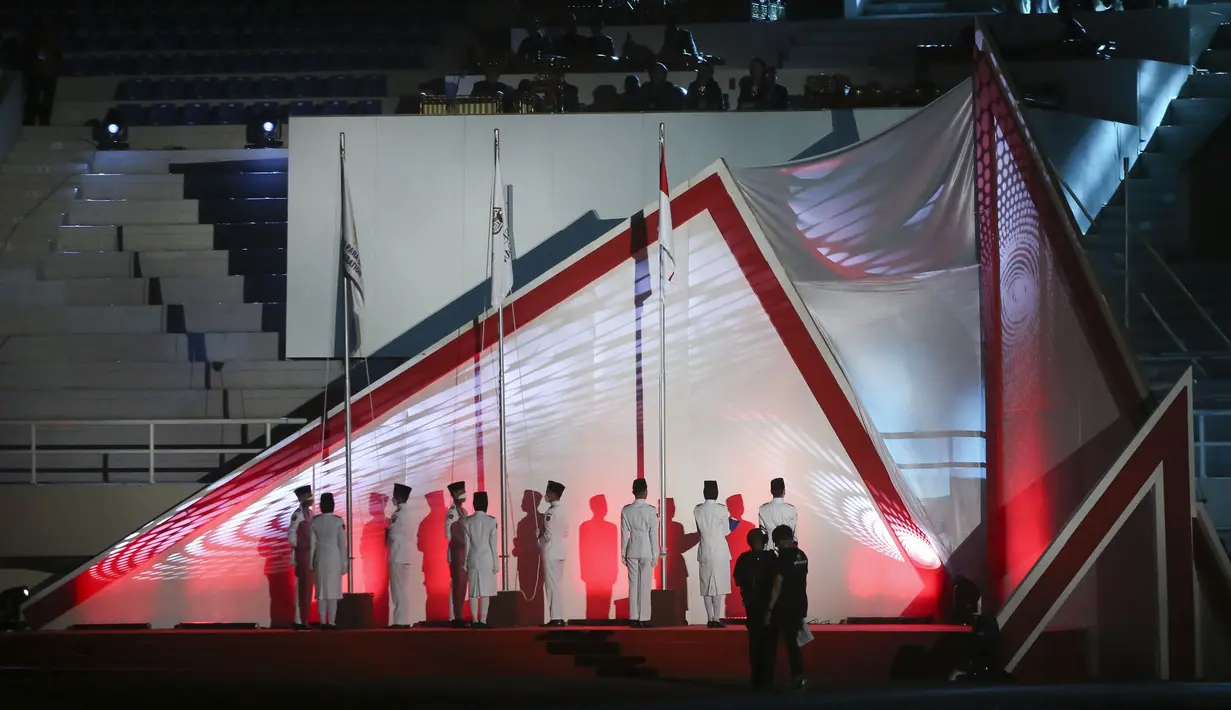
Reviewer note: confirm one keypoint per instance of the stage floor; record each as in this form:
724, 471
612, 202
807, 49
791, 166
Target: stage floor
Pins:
840, 653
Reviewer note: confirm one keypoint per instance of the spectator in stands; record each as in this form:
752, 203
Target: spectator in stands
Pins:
535, 45
752, 87
601, 44
633, 98
704, 94
606, 99
491, 85
43, 56
570, 44
636, 57
525, 95
660, 94
775, 97
679, 48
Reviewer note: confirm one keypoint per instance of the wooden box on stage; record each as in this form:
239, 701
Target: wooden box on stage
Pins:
668, 607
511, 609
357, 611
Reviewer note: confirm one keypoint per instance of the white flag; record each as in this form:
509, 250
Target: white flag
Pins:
666, 243
502, 248
352, 268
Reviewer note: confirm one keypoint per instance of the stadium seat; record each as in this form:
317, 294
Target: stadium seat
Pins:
249, 63
278, 62
260, 107
197, 114
237, 87
301, 108
206, 88
164, 115
231, 113
334, 108
373, 85
134, 90
368, 107
342, 85
307, 87
274, 87
170, 89
134, 114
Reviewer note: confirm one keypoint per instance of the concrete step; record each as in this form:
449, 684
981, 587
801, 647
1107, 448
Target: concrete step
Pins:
193, 264
88, 265
132, 187
80, 320
148, 404
158, 162
145, 238
1180, 141
126, 212
193, 290
238, 375
1210, 85
1215, 60
224, 317
49, 168
211, 347
1158, 165
1198, 112
50, 134
29, 152
76, 292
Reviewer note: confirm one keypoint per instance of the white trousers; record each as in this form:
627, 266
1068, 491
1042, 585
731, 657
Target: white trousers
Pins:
713, 607
478, 608
329, 611
640, 579
399, 594
554, 579
457, 592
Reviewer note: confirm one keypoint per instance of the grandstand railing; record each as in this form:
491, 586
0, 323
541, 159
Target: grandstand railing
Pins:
150, 449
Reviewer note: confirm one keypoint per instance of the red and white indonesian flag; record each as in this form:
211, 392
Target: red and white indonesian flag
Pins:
666, 243
501, 247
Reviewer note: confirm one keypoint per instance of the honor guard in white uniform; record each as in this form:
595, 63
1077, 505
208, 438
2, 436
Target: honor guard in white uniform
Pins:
777, 511
713, 554
301, 555
455, 533
481, 560
398, 538
553, 539
640, 549
328, 561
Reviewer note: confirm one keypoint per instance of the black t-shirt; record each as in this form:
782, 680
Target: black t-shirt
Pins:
752, 577
792, 566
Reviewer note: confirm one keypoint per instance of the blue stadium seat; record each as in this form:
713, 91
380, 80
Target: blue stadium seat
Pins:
278, 62
249, 63
373, 85
120, 65
368, 107
237, 87
274, 87
231, 113
317, 61
164, 115
186, 64
301, 108
334, 108
134, 114
261, 107
134, 90
307, 87
342, 86
206, 87
197, 114
170, 89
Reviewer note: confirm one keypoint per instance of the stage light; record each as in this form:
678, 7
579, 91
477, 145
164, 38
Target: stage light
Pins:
11, 601
265, 129
112, 132
984, 663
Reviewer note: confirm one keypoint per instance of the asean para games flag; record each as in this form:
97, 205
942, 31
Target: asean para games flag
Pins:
352, 267
666, 242
501, 247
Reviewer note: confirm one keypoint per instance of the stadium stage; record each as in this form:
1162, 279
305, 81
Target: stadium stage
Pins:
841, 654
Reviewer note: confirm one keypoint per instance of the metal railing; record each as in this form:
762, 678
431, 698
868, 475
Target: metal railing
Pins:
151, 449
1201, 442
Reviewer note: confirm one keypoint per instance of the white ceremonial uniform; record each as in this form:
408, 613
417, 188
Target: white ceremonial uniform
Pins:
777, 512
639, 547
713, 555
300, 534
552, 541
481, 554
329, 562
398, 539
455, 533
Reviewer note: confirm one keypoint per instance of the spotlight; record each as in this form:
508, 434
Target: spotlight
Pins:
112, 132
265, 129
983, 662
11, 601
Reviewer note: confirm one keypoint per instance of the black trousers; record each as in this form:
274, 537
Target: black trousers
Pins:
763, 643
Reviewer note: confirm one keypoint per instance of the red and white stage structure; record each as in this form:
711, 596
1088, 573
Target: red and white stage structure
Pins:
905, 330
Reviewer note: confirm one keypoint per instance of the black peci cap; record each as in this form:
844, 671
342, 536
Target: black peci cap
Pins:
640, 486
553, 487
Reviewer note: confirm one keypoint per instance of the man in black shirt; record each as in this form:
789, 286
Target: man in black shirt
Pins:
752, 570
787, 608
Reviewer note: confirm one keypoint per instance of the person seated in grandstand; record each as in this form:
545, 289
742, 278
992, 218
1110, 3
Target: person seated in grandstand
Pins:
775, 97
679, 48
525, 96
606, 99
535, 45
635, 57
491, 85
601, 44
633, 99
660, 94
570, 44
752, 87
704, 94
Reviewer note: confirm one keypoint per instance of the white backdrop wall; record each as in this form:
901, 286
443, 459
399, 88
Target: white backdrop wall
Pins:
421, 190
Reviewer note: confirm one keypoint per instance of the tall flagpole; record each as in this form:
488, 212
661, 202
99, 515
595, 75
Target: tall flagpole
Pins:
662, 378
346, 291
504, 498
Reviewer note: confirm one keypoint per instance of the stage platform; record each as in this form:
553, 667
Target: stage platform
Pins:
840, 653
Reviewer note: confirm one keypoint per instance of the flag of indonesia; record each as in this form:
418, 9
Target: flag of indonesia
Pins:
666, 244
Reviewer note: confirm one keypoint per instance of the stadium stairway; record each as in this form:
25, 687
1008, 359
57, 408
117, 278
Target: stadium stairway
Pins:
142, 285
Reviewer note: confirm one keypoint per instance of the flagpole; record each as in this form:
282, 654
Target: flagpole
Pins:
346, 323
504, 498
662, 382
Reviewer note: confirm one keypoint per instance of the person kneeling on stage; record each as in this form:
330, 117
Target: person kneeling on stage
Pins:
787, 608
751, 573
481, 560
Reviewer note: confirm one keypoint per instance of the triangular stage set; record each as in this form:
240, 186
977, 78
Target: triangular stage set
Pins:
906, 331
